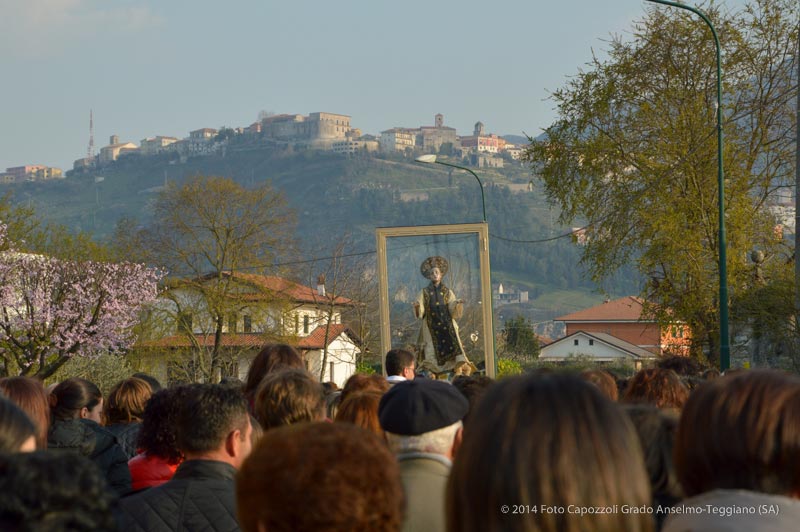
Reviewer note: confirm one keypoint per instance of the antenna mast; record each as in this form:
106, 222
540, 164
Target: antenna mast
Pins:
90, 150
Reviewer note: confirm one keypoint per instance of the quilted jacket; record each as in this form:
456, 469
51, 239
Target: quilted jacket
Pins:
200, 497
100, 446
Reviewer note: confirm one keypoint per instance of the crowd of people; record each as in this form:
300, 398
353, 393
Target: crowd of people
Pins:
673, 448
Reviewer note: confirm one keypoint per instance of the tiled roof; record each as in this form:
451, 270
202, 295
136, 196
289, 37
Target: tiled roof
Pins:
623, 309
283, 287
207, 340
316, 340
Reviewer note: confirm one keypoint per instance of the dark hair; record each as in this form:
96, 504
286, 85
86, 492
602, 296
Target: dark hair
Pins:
29, 394
361, 409
327, 463
287, 397
656, 429
362, 383
127, 401
659, 387
157, 435
590, 458
149, 379
473, 387
604, 381
684, 366
15, 427
741, 432
207, 415
70, 396
56, 492
330, 387
272, 358
397, 360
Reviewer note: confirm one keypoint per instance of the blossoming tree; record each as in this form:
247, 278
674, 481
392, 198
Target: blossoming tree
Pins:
52, 310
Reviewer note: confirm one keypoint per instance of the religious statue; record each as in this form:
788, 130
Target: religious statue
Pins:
438, 308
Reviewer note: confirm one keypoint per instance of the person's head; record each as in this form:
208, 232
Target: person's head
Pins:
684, 366
127, 401
550, 440
155, 386
423, 416
332, 402
741, 433
213, 423
30, 396
364, 383
272, 358
361, 409
57, 492
158, 432
326, 463
400, 362
604, 381
434, 268
659, 387
473, 387
17, 431
76, 398
287, 397
656, 429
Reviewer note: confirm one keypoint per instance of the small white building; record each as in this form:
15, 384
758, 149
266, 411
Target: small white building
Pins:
601, 347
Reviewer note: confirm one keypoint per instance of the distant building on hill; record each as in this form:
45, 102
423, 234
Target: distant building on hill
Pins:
155, 145
398, 139
319, 129
30, 172
114, 150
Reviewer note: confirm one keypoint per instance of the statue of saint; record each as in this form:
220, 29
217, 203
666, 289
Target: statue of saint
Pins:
438, 308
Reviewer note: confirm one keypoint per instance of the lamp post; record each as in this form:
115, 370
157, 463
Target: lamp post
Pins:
724, 336
431, 159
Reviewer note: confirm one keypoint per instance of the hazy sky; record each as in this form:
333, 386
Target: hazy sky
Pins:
165, 67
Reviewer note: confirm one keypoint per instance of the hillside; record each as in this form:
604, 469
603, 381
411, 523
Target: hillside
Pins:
335, 194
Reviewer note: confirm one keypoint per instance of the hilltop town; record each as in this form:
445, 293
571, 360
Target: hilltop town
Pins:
317, 131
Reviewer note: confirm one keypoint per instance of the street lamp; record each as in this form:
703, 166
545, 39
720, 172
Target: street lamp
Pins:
431, 159
724, 336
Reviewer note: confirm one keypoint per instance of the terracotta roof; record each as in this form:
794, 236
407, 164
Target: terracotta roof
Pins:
316, 340
623, 309
207, 340
283, 287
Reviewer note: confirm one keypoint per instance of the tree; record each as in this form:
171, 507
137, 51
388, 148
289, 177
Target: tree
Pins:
202, 230
521, 342
52, 310
632, 154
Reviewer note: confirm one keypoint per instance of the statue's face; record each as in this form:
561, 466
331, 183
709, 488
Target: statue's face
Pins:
435, 275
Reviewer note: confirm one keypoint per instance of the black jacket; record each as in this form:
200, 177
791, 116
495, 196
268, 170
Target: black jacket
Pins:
200, 497
100, 446
126, 435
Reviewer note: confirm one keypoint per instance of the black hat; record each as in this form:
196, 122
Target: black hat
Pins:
415, 407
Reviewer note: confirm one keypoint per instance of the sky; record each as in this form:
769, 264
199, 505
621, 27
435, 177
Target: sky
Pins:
165, 67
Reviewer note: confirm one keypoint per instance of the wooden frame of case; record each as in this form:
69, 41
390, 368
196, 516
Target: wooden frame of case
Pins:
480, 231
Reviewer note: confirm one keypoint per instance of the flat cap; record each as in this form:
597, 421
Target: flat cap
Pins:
415, 407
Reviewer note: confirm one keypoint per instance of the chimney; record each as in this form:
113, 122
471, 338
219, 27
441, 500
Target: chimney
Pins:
321, 285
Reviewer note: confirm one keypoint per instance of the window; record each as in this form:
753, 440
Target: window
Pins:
248, 324
296, 323
591, 342
305, 324
233, 323
575, 341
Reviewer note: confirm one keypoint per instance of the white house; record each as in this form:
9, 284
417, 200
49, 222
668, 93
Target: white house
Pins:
262, 309
601, 347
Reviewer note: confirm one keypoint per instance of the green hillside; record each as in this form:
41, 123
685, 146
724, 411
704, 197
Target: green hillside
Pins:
335, 194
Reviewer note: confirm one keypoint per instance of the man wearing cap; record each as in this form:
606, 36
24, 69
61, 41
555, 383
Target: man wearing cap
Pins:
422, 421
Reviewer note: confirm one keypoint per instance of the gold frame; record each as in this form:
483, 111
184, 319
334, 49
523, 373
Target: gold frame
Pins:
481, 231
